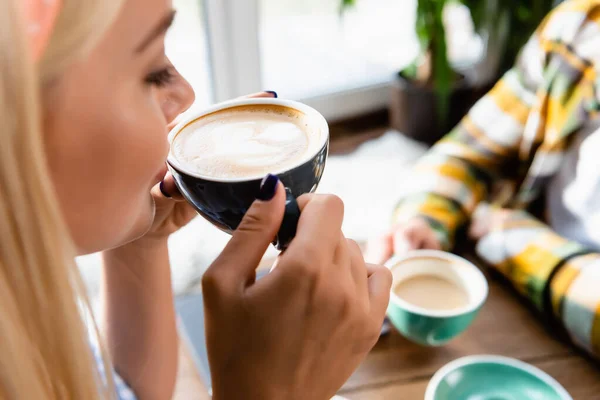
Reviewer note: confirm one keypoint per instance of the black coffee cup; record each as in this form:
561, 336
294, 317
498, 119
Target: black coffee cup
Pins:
224, 201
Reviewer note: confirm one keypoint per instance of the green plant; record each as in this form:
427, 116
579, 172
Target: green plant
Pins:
491, 18
432, 39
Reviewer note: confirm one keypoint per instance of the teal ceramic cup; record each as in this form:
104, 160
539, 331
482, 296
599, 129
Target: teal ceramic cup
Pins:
489, 377
435, 327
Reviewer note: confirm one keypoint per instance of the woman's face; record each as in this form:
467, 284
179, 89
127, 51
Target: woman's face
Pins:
105, 128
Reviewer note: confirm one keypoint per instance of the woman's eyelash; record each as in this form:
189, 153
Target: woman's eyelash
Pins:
160, 77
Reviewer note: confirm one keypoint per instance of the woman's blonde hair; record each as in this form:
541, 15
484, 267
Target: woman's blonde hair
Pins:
44, 347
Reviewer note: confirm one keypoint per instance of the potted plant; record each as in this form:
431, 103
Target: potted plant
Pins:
430, 96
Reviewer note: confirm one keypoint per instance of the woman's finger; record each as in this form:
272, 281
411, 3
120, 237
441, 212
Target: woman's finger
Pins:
169, 189
266, 93
235, 267
319, 228
343, 256
380, 284
359, 271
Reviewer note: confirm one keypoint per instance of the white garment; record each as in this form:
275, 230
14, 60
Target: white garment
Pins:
573, 195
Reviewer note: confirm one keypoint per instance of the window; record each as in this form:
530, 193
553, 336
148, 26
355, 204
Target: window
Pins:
187, 48
304, 49
309, 49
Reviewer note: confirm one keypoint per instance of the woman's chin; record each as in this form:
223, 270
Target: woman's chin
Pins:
146, 220
129, 228
142, 225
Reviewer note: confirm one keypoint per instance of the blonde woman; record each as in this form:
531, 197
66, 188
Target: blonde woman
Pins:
86, 94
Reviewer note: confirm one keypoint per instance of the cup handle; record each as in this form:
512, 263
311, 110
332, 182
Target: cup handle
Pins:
287, 231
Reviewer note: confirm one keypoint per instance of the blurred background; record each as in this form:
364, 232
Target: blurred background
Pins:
312, 50
391, 77
342, 56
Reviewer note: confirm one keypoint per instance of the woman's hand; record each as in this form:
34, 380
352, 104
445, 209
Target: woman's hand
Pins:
301, 331
172, 211
412, 235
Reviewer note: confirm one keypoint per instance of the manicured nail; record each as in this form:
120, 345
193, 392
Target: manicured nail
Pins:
162, 190
268, 187
274, 93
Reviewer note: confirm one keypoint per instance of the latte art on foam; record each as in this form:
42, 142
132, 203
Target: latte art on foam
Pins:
243, 142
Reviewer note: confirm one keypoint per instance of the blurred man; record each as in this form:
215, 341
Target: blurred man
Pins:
535, 136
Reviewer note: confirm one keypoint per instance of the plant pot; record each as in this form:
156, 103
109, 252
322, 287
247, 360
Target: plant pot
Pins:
413, 108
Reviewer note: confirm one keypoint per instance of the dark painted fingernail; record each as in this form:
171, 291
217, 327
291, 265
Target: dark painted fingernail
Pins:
274, 93
268, 187
162, 190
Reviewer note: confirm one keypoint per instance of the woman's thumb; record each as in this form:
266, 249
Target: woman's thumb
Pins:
255, 233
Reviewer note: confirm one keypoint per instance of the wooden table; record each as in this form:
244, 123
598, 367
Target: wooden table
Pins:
398, 369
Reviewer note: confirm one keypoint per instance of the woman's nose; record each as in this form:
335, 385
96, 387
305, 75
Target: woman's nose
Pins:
178, 96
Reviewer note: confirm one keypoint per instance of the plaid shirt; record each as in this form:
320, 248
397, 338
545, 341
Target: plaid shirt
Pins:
506, 150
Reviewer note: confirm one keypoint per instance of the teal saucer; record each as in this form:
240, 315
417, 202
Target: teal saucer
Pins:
493, 378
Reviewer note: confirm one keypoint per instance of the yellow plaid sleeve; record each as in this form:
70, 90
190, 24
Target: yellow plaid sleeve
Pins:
559, 277
456, 174
575, 301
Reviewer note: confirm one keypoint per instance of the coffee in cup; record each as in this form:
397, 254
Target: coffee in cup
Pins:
219, 157
431, 292
435, 295
246, 142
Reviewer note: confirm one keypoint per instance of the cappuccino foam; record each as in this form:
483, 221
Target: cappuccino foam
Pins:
245, 142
